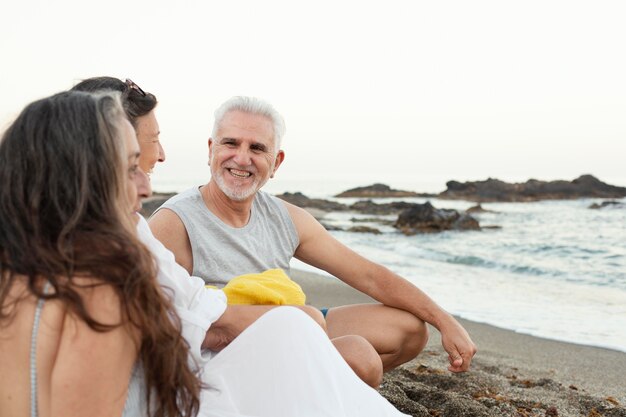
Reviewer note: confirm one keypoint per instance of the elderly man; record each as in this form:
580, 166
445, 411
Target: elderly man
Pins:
229, 227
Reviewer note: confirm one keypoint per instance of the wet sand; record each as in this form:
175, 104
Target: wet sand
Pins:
511, 375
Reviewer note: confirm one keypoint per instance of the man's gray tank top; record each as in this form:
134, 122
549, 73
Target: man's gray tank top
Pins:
221, 252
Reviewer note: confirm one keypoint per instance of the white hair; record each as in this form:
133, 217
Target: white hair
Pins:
251, 105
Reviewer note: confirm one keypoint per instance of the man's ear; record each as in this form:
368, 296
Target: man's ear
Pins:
280, 157
210, 143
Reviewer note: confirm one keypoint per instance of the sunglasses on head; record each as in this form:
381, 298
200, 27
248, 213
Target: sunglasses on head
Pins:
132, 86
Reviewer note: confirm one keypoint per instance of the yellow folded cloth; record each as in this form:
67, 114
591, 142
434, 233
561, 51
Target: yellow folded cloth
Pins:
271, 287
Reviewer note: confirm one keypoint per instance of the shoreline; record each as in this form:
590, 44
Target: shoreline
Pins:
576, 378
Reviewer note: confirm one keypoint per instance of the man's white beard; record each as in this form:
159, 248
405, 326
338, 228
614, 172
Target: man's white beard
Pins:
237, 193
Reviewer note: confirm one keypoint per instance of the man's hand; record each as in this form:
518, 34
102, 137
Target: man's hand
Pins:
458, 344
218, 337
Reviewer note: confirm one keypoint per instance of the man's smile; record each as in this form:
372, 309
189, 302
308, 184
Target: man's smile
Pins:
238, 173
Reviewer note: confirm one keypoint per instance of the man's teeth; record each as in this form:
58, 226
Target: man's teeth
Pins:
239, 174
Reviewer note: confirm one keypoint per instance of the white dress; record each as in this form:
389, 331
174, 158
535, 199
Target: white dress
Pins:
283, 365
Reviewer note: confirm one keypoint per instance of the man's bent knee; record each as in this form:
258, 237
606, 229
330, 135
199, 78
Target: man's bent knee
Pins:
413, 340
397, 335
361, 357
315, 314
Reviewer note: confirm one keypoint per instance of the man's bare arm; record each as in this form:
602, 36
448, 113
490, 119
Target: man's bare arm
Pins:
170, 230
320, 249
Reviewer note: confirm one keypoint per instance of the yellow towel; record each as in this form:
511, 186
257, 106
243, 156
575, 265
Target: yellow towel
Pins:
271, 287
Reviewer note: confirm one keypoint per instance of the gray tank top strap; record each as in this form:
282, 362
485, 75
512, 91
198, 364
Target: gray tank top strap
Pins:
135, 404
34, 412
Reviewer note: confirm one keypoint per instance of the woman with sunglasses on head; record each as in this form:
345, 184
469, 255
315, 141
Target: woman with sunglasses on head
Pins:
85, 329
139, 107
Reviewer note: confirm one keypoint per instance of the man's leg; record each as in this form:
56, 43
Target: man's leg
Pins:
355, 350
362, 358
397, 336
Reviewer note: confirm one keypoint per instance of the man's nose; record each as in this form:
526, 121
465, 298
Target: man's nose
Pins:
242, 156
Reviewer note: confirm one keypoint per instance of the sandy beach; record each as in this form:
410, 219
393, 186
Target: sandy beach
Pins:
511, 375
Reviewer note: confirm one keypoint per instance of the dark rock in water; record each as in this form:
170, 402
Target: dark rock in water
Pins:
465, 222
300, 200
424, 218
477, 209
364, 229
377, 191
149, 205
491, 226
606, 204
369, 207
532, 190
330, 227
373, 220
363, 206
413, 218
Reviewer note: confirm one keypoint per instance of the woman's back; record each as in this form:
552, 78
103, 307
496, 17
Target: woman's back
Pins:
67, 201
77, 368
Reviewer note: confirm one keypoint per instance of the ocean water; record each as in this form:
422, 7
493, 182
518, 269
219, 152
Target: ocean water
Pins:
554, 269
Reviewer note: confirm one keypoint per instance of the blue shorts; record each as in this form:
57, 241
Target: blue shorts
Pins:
324, 311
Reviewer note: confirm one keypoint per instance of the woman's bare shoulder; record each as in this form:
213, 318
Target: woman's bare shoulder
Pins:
93, 366
82, 365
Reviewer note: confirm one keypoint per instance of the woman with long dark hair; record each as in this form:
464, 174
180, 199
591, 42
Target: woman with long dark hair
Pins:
84, 327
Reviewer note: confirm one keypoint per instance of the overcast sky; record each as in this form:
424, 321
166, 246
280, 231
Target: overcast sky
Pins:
407, 89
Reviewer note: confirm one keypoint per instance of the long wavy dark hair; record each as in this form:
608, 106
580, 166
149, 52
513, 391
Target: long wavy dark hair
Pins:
64, 214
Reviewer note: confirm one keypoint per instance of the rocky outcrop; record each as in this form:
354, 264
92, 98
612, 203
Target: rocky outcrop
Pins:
604, 204
412, 218
424, 218
477, 209
378, 220
331, 227
378, 191
300, 200
364, 229
493, 190
363, 206
369, 207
